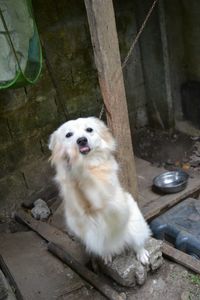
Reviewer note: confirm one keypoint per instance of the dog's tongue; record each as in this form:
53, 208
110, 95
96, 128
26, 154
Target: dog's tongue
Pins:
84, 149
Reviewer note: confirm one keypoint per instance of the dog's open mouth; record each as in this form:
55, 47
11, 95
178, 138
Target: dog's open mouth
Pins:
84, 149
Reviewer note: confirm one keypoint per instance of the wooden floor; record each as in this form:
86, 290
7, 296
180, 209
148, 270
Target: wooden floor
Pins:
152, 203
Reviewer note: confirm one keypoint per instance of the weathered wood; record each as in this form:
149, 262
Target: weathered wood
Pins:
10, 278
154, 208
52, 234
181, 258
85, 273
152, 203
166, 62
38, 274
107, 57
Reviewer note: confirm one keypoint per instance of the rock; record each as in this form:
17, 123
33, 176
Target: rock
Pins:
155, 253
127, 271
185, 295
40, 211
158, 285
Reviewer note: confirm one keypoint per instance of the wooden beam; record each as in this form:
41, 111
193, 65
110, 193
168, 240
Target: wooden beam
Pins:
54, 235
181, 258
104, 37
84, 272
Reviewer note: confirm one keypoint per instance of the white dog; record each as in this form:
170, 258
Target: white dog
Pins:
97, 209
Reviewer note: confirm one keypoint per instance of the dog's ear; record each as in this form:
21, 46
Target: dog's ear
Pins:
106, 135
52, 141
58, 151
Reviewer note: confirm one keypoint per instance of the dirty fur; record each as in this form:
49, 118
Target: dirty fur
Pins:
97, 209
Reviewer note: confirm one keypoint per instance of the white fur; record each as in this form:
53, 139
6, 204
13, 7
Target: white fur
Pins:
97, 209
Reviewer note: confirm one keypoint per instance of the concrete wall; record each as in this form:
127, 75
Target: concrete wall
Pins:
68, 88
166, 55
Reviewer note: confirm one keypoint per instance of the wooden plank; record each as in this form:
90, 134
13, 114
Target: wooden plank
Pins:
145, 174
154, 208
37, 273
10, 278
181, 258
85, 273
152, 203
52, 234
107, 57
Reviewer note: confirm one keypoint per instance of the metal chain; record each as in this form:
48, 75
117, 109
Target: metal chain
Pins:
116, 75
138, 34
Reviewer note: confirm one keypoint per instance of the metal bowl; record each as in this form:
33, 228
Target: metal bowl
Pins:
171, 182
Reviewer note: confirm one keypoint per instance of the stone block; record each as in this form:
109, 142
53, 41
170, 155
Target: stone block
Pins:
154, 248
10, 100
32, 118
127, 271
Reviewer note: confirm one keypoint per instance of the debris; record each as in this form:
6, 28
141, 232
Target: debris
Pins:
126, 270
195, 138
185, 166
40, 211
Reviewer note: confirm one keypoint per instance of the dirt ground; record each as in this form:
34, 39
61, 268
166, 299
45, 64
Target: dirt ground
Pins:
170, 282
165, 150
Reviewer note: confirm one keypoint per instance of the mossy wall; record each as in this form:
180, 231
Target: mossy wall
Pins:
68, 87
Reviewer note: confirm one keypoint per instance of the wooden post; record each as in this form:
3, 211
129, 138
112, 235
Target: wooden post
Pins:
104, 37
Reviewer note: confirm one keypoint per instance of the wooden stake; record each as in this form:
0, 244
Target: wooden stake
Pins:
107, 57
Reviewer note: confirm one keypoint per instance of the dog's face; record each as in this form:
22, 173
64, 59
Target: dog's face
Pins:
84, 135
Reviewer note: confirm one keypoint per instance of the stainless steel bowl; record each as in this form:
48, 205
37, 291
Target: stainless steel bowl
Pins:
171, 182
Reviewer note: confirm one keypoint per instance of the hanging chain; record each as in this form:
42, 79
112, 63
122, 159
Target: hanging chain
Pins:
116, 75
138, 34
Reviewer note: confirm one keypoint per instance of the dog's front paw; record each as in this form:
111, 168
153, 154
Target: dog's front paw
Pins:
73, 155
143, 256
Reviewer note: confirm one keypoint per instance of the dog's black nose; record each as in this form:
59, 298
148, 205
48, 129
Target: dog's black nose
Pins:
82, 141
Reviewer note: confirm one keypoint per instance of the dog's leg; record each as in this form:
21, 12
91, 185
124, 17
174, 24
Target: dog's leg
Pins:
143, 256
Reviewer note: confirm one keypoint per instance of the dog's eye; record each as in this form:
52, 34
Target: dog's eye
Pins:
89, 129
69, 134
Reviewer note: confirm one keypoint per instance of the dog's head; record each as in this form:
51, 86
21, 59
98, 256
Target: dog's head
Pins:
84, 135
